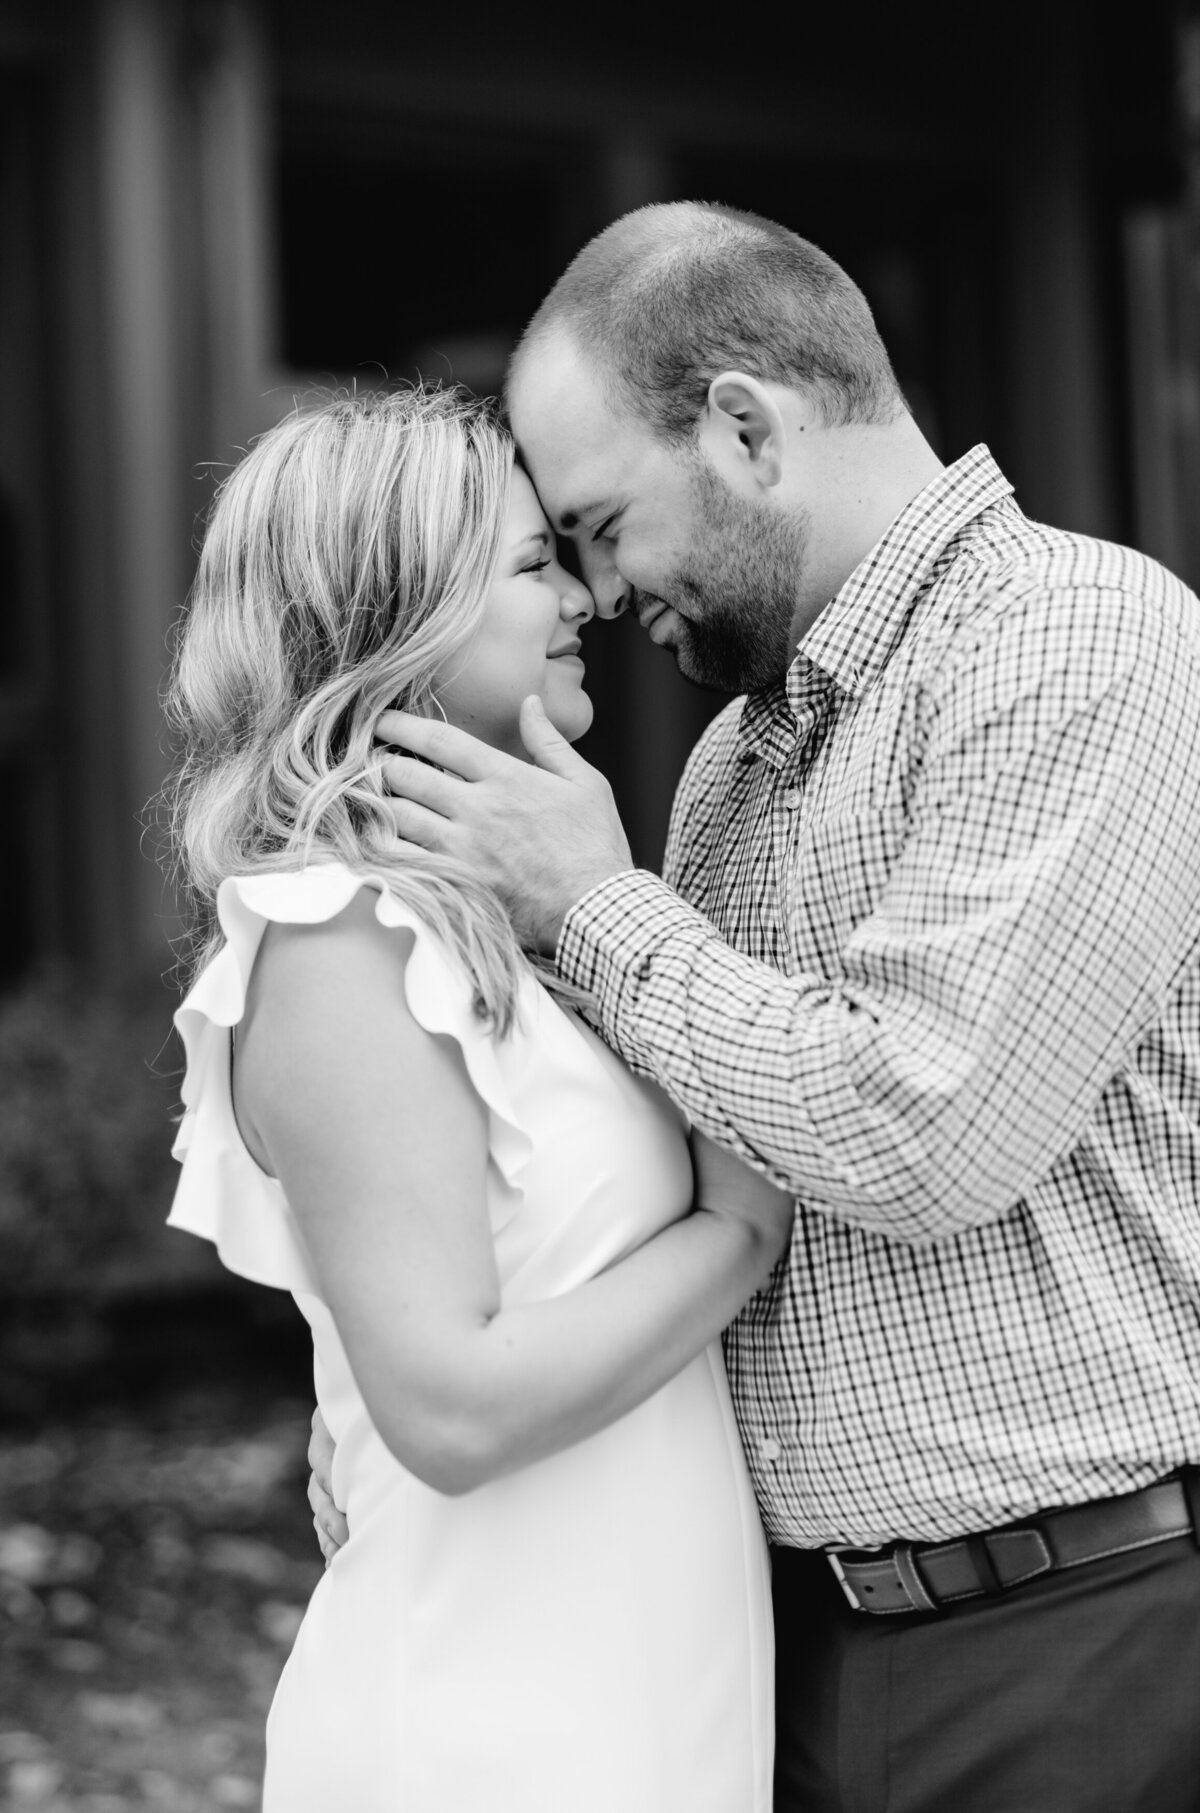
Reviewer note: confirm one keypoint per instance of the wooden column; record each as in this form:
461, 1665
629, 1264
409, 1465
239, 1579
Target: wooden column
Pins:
1063, 411
168, 314
1162, 268
125, 570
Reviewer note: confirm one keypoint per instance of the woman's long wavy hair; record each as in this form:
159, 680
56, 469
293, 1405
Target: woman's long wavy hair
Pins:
347, 558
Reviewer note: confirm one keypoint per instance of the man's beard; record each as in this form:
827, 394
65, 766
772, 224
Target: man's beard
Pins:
736, 596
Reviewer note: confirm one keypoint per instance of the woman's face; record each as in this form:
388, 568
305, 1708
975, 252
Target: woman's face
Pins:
527, 641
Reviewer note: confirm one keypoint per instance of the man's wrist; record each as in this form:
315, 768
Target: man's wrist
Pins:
616, 921
548, 928
594, 898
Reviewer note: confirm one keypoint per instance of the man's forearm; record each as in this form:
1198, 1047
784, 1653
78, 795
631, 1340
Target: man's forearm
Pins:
909, 1116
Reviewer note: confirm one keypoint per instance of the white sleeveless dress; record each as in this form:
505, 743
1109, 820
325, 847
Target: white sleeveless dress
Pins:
591, 1634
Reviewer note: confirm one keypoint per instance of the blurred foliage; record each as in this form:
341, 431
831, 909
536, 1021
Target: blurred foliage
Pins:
154, 1565
89, 1087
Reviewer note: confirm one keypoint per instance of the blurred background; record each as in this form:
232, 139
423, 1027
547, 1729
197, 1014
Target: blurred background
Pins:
208, 207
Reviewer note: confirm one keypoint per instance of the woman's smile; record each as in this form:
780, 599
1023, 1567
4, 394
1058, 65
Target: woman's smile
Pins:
526, 641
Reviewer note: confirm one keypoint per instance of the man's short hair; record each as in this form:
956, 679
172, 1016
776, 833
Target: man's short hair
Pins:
667, 297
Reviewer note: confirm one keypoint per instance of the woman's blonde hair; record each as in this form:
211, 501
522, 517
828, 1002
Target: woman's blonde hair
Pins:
347, 558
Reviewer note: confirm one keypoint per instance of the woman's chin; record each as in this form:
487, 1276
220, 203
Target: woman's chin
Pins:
572, 721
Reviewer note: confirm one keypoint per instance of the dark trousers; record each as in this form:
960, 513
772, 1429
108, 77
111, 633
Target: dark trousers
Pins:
1076, 1693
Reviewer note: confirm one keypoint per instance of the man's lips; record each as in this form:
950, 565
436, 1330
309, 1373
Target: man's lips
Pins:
658, 620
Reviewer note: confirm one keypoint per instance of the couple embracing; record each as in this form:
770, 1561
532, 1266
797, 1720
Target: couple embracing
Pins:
894, 1077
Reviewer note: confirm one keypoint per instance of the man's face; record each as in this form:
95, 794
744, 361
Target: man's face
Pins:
711, 575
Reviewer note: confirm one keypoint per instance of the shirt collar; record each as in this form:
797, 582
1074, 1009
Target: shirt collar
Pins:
852, 640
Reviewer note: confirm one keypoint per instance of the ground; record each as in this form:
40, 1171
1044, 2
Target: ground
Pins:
155, 1560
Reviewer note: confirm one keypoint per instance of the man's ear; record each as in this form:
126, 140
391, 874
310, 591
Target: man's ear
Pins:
742, 429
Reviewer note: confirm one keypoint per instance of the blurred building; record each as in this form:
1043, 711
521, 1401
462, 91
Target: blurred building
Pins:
209, 205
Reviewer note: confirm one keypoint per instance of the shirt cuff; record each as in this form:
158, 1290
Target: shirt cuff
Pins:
609, 936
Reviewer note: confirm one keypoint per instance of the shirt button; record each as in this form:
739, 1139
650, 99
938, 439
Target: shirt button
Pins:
791, 799
769, 1448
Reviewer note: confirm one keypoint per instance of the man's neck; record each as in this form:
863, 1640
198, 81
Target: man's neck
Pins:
869, 475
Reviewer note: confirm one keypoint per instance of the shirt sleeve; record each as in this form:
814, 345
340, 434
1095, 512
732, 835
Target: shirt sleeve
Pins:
1042, 904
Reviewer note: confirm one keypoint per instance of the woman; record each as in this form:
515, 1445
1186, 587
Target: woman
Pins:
554, 1598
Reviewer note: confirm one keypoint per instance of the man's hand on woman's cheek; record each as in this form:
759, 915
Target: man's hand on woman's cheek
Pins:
541, 833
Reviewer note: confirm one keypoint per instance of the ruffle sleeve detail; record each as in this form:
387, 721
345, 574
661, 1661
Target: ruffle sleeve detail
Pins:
223, 1195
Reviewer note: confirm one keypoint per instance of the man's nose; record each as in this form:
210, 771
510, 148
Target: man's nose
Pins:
612, 600
603, 581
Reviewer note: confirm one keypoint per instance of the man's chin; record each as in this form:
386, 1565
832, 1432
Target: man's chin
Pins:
716, 662
700, 667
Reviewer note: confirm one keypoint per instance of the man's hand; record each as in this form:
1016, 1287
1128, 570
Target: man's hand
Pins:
541, 833
329, 1523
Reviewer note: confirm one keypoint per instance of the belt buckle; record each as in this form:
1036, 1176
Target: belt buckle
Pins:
839, 1575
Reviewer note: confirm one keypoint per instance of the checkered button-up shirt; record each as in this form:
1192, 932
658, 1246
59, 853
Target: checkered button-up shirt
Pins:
928, 953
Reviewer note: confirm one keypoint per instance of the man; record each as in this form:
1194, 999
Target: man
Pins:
926, 952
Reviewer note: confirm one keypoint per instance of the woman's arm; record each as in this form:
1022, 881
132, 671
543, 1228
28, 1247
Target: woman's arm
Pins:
380, 1143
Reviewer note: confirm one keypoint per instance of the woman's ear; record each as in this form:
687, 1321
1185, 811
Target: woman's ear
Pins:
742, 430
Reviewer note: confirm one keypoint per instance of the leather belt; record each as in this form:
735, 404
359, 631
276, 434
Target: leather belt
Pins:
923, 1577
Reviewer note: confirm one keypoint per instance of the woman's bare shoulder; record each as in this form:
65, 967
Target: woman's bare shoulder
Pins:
325, 1010
303, 964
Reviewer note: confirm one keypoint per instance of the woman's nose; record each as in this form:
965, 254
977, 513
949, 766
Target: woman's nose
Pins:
575, 602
